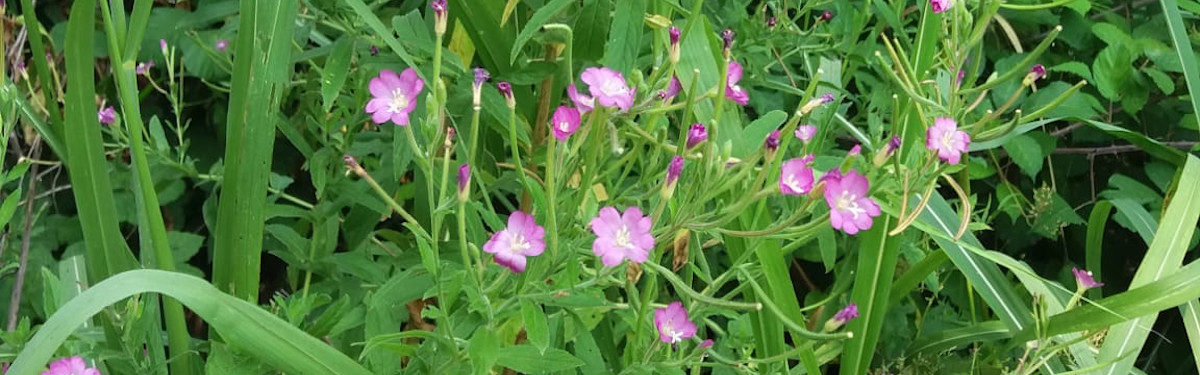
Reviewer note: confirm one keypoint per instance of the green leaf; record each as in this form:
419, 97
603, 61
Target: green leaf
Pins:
534, 24
1073, 67
1162, 80
1097, 221
1183, 49
1152, 147
941, 341
367, 16
337, 67
878, 255
245, 326
1113, 70
261, 73
531, 360
1166, 251
753, 135
536, 329
625, 36
484, 350
1111, 34
1026, 153
1139, 220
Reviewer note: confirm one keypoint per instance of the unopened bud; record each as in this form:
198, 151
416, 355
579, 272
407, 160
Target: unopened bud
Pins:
439, 16
506, 90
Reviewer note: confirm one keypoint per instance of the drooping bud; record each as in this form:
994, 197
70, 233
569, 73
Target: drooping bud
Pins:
697, 134
439, 16
464, 182
673, 50
771, 144
506, 90
825, 98
842, 317
481, 76
891, 147
1035, 73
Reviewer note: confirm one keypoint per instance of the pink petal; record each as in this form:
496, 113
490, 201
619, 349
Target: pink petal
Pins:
380, 117
376, 105
400, 118
734, 73
390, 79
379, 88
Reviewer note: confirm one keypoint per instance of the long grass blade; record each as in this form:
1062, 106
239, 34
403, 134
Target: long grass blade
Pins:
245, 326
1170, 244
1183, 48
261, 70
873, 282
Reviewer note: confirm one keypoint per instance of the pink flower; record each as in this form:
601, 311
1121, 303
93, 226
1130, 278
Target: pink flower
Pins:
1084, 279
795, 176
621, 236
674, 170
850, 208
394, 97
143, 67
481, 76
221, 45
107, 115
732, 90
940, 5
847, 313
673, 324
706, 344
522, 238
697, 134
855, 151
673, 89
439, 7
806, 132
608, 87
1038, 71
565, 121
945, 138
583, 102
70, 366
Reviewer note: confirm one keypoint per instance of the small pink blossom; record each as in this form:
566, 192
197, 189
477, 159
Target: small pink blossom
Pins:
806, 132
846, 313
522, 238
621, 236
70, 366
107, 115
733, 91
394, 96
506, 90
855, 151
1084, 279
706, 344
945, 138
565, 122
673, 324
795, 176
697, 134
1038, 71
143, 67
673, 88
608, 87
940, 5
221, 45
826, 15
583, 102
850, 208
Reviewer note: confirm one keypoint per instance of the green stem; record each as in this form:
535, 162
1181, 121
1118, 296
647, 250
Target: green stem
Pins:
682, 287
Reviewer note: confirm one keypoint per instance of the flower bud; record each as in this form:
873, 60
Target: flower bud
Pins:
771, 144
162, 45
439, 16
679, 247
464, 182
826, 15
1035, 73
697, 134
481, 76
891, 147
673, 50
771, 22
221, 45
727, 40
847, 314
673, 171
506, 90
374, 50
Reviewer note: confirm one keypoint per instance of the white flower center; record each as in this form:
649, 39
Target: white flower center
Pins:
676, 336
613, 88
793, 183
564, 127
849, 203
948, 140
399, 101
623, 238
517, 244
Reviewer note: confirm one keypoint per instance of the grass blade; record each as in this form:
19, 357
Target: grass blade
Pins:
106, 251
534, 24
873, 280
1162, 259
1183, 48
1097, 221
1191, 322
38, 48
245, 326
258, 84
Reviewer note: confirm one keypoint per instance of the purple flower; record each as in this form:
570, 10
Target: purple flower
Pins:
892, 145
732, 90
393, 96
464, 181
522, 238
945, 138
565, 121
795, 176
772, 142
1035, 73
826, 98
850, 208
608, 87
958, 79
438, 6
107, 115
583, 102
505, 89
70, 366
674, 169
621, 236
673, 89
1084, 279
674, 33
826, 15
806, 132
727, 39
673, 324
439, 16
221, 45
697, 134
374, 50
20, 65
847, 313
143, 67
941, 5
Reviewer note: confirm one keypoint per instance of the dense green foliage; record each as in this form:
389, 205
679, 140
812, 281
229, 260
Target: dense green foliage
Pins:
240, 204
